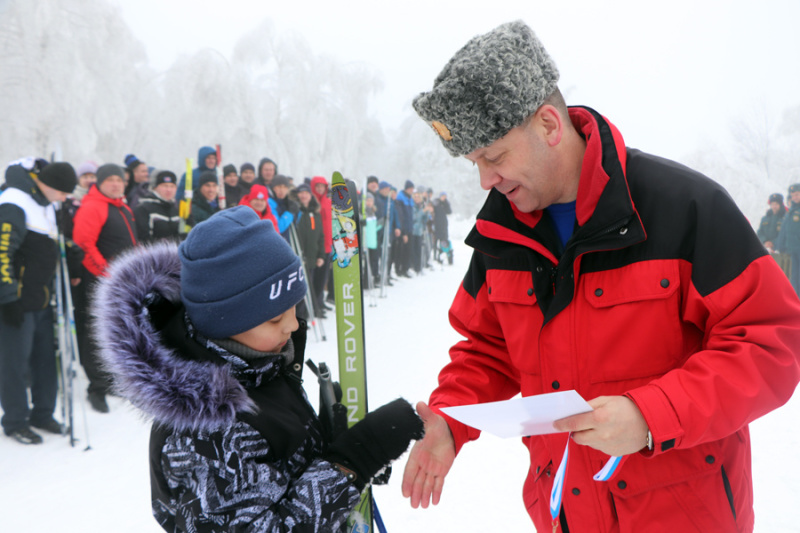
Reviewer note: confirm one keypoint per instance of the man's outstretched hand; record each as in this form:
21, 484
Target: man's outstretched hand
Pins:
429, 461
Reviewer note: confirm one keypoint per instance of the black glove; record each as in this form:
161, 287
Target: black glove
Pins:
377, 440
12, 313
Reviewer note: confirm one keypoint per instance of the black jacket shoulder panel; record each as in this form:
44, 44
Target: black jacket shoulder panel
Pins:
689, 216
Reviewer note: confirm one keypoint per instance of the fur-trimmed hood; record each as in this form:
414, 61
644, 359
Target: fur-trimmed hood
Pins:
174, 390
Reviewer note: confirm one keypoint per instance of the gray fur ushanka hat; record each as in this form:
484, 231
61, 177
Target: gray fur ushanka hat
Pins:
489, 87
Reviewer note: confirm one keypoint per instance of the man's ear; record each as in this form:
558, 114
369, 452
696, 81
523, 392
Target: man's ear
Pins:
550, 124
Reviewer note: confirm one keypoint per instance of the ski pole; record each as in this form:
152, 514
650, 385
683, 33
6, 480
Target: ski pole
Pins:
73, 345
377, 515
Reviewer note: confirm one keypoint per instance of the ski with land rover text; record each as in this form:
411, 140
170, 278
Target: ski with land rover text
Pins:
350, 326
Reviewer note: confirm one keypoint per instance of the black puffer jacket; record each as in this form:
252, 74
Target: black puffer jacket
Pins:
28, 250
235, 445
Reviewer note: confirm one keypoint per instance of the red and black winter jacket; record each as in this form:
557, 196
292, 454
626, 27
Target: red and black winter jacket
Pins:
665, 295
103, 229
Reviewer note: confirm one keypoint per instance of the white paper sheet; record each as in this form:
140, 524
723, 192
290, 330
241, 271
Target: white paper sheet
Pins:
521, 417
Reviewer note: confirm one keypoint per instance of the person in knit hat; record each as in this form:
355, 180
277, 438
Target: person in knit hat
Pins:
139, 183
404, 205
104, 228
630, 279
233, 189
258, 200
203, 338
157, 214
204, 199
87, 177
28, 262
247, 176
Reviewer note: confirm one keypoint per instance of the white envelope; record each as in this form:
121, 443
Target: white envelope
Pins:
521, 417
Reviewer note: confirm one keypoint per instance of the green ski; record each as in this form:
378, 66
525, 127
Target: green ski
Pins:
350, 326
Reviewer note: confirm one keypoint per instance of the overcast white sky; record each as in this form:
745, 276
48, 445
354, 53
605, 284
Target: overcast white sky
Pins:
671, 75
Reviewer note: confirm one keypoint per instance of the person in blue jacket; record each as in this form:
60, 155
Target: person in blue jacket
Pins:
206, 161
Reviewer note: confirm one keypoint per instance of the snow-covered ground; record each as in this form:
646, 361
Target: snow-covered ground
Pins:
54, 487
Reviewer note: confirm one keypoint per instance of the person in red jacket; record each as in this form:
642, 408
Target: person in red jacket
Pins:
104, 227
631, 279
258, 200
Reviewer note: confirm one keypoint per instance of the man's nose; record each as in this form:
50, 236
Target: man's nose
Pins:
489, 178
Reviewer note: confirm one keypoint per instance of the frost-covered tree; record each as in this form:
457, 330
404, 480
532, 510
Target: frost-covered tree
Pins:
759, 158
68, 71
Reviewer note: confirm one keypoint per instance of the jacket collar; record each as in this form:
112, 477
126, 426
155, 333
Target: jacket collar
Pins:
603, 204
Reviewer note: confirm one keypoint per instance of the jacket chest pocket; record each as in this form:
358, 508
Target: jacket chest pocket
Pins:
631, 326
514, 301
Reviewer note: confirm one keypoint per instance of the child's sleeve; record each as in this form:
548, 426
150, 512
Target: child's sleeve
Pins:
216, 482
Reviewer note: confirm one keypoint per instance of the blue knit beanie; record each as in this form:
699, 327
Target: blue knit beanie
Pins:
237, 272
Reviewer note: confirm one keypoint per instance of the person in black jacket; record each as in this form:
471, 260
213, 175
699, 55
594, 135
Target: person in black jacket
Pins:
157, 213
193, 341
234, 191
204, 198
308, 223
28, 260
441, 210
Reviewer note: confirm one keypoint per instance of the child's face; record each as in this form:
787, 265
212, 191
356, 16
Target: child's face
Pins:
272, 335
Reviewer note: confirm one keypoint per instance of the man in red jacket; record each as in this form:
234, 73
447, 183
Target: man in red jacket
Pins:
104, 228
631, 279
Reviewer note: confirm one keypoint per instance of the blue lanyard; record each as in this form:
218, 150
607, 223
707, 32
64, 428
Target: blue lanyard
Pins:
557, 493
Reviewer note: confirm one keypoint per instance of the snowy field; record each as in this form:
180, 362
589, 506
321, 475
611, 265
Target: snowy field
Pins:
54, 487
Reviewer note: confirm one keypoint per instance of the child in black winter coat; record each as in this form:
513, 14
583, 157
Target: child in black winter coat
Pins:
204, 339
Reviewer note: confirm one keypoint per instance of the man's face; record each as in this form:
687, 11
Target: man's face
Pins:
231, 179
372, 187
385, 191
52, 195
248, 175
270, 336
268, 172
209, 190
113, 187
211, 161
304, 197
522, 167
167, 191
320, 189
775, 206
141, 174
280, 191
796, 197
